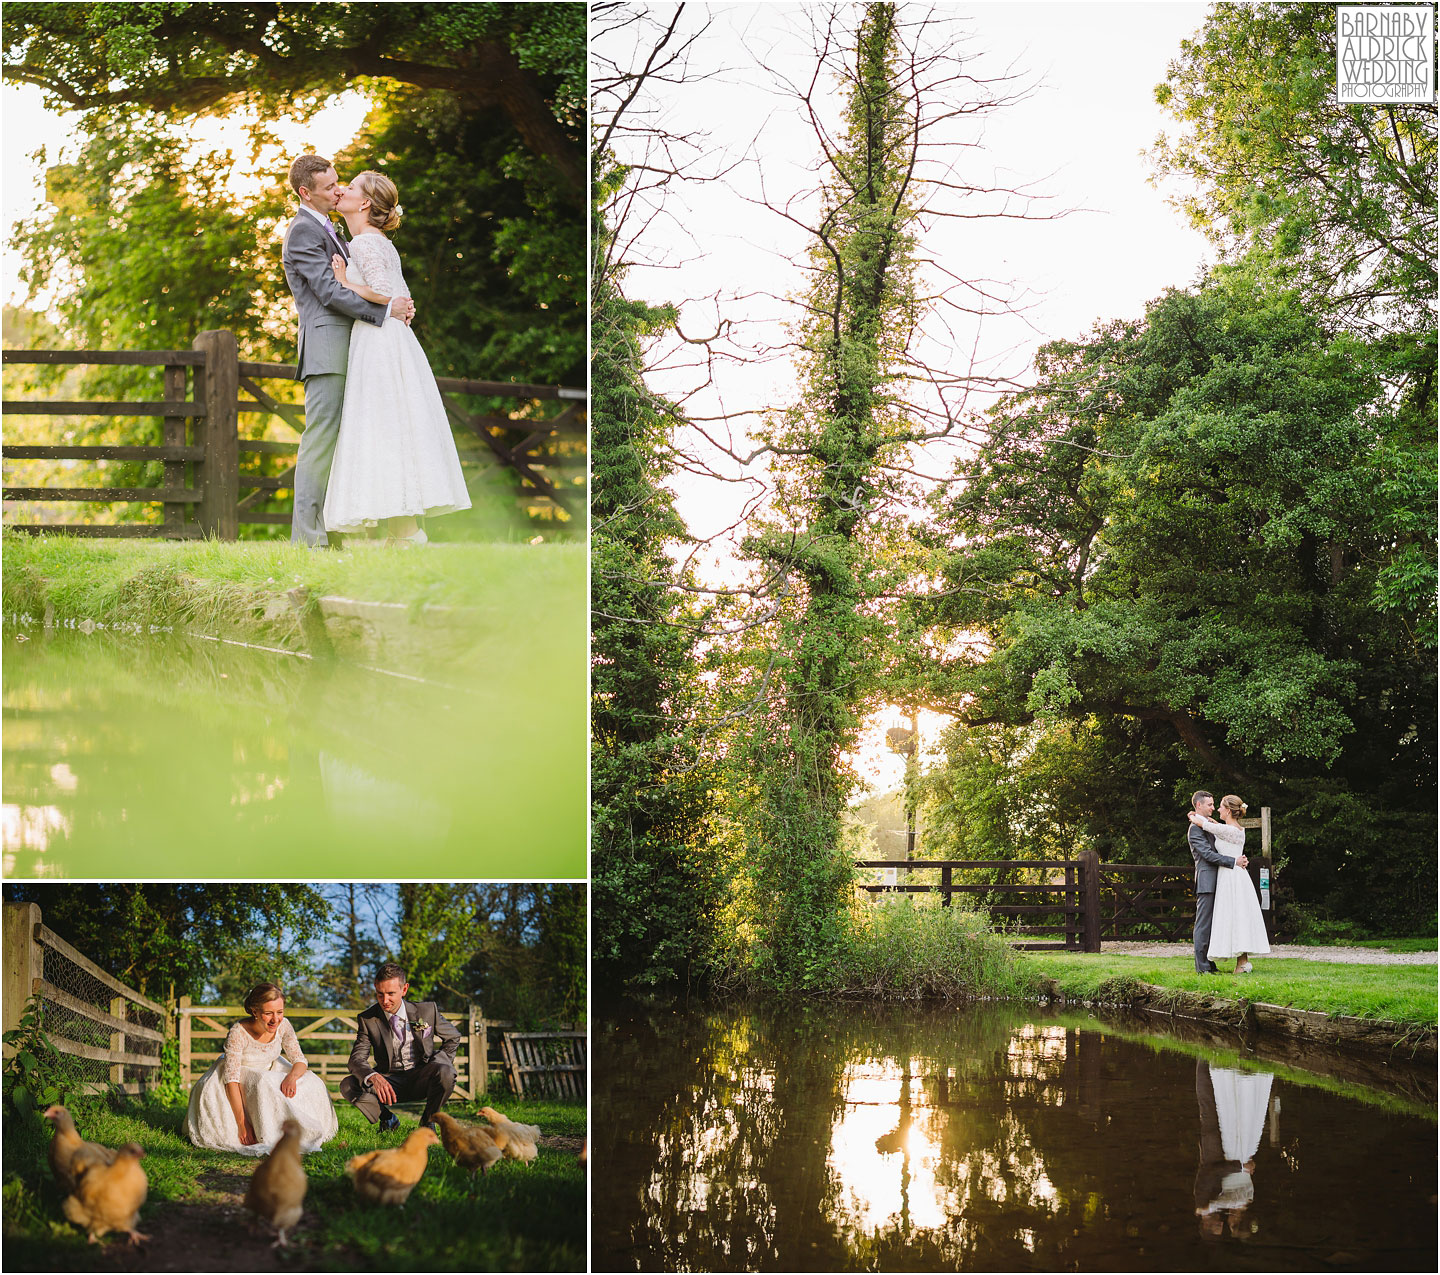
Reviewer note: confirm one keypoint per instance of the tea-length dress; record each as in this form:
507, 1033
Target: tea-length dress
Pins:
1238, 925
395, 455
259, 1069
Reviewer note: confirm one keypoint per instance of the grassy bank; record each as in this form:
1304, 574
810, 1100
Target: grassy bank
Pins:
1396, 993
519, 1218
213, 585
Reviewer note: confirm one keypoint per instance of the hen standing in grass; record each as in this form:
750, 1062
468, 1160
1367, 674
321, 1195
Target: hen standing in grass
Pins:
517, 1141
389, 1175
470, 1146
278, 1185
108, 1196
68, 1150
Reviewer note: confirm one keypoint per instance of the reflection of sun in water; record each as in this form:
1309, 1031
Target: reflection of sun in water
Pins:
884, 1178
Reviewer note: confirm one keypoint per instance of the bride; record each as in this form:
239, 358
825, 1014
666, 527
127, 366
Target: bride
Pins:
395, 460
261, 1080
1238, 929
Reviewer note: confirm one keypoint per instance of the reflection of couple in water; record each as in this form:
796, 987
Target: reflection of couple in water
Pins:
1233, 1106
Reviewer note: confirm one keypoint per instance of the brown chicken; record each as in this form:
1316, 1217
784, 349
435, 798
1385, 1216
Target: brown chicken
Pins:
68, 1150
108, 1196
517, 1141
278, 1185
389, 1175
470, 1146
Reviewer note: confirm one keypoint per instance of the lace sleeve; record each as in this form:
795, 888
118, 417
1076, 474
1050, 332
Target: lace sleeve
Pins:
377, 265
290, 1044
234, 1054
1232, 837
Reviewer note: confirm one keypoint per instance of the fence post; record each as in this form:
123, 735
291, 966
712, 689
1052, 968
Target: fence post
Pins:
119, 1007
479, 1048
945, 882
217, 386
1089, 901
22, 961
184, 1026
174, 435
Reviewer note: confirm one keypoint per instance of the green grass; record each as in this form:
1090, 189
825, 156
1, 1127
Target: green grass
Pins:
1393, 945
211, 584
520, 1217
1396, 993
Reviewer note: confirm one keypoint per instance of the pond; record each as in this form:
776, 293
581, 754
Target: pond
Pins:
851, 1137
166, 756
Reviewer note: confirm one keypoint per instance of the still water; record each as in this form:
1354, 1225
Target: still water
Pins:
160, 755
986, 1139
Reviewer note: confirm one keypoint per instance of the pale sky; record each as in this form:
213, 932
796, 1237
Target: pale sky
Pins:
29, 127
1078, 139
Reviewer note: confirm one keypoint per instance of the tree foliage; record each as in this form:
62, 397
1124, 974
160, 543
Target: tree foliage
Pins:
183, 59
1343, 194
652, 871
170, 940
1184, 536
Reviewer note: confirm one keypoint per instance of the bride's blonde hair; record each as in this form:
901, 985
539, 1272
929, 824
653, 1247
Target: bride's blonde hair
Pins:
1234, 805
384, 199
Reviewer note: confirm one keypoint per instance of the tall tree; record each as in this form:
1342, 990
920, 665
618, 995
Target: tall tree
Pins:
830, 538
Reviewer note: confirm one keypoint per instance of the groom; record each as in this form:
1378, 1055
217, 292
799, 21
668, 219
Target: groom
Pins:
414, 1047
326, 312
1208, 862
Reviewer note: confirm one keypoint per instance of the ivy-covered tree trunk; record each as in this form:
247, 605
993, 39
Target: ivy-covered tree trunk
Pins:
649, 804
829, 522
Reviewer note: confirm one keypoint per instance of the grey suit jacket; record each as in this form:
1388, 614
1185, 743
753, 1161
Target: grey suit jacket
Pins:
1208, 860
372, 1033
326, 309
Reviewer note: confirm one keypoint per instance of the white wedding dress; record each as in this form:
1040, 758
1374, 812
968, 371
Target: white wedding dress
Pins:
1237, 925
395, 455
259, 1069
1242, 1101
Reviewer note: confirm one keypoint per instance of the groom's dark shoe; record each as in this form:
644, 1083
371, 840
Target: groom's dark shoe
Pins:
389, 1122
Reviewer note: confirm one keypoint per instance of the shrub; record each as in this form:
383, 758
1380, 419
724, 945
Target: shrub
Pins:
900, 951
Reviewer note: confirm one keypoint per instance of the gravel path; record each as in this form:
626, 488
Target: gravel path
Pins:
1287, 951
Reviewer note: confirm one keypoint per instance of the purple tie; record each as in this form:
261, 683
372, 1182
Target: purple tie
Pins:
334, 234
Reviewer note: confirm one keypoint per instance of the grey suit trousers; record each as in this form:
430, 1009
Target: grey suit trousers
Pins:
324, 397
1204, 919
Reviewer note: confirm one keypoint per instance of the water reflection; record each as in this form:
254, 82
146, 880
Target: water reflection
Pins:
196, 757
979, 1139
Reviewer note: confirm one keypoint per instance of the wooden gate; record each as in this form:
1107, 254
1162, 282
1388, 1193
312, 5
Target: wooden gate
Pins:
546, 1063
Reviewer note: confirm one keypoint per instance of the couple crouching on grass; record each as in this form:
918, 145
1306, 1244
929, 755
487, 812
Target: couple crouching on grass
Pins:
261, 1080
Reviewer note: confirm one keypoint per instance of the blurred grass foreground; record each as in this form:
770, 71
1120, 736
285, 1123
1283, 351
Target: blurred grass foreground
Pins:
266, 702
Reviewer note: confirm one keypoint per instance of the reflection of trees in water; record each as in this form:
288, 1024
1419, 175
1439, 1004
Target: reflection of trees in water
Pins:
840, 1137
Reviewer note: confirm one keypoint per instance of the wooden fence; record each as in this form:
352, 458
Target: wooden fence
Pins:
325, 1039
1082, 901
114, 1032
201, 446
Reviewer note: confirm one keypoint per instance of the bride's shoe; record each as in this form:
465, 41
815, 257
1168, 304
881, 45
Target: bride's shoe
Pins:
1247, 968
412, 541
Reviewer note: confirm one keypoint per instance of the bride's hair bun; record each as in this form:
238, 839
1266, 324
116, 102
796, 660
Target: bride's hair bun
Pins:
260, 994
384, 200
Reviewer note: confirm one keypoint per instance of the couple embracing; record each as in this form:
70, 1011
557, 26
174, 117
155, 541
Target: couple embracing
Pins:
1227, 913
262, 1079
377, 446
